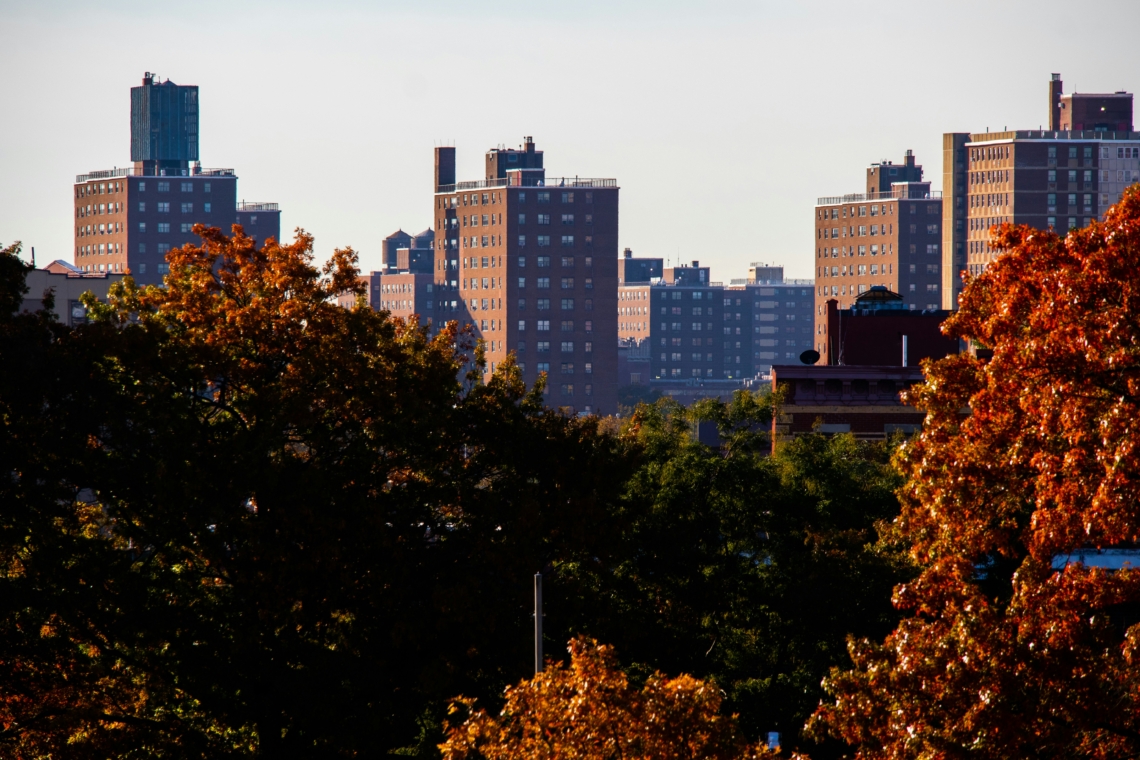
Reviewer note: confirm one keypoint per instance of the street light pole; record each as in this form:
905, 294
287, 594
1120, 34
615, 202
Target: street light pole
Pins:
537, 623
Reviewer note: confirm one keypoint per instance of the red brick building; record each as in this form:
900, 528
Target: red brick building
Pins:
860, 400
531, 262
877, 331
889, 236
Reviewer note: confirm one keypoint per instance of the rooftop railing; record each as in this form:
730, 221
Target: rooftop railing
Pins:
250, 206
130, 171
884, 195
522, 180
1053, 134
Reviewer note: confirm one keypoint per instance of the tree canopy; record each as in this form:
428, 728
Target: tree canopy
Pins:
1012, 647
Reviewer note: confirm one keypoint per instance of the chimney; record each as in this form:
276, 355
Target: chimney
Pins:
444, 167
1056, 89
696, 264
910, 158
628, 253
528, 143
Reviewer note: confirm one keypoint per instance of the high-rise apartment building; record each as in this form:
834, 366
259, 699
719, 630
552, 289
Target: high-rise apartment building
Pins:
1060, 178
530, 262
128, 219
691, 328
889, 236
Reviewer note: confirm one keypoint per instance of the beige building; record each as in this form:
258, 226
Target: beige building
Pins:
67, 283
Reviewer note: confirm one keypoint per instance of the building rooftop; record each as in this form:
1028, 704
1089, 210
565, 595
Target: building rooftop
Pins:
520, 179
1085, 135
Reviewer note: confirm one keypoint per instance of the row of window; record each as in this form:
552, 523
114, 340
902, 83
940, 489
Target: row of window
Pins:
566, 346
164, 207
543, 283
853, 271
475, 199
567, 241
544, 261
544, 219
876, 210
97, 208
99, 188
567, 325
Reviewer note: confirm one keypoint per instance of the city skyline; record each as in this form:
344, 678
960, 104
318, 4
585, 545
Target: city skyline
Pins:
735, 113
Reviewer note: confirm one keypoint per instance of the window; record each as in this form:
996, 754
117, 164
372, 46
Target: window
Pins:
567, 304
163, 248
567, 325
567, 241
206, 188
589, 305
522, 283
543, 241
522, 197
589, 283
142, 226
522, 218
544, 218
164, 226
543, 325
543, 261
544, 366
568, 261
543, 347
543, 304
164, 208
567, 346
588, 347
164, 187
142, 187
187, 187
187, 227
543, 197
567, 283
567, 368
206, 207
187, 208
567, 389
544, 283
142, 206
142, 247
567, 197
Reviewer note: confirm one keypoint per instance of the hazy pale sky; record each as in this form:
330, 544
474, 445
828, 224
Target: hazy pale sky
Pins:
722, 121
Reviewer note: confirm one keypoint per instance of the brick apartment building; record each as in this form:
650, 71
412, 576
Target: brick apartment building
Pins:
531, 263
889, 236
681, 325
127, 219
879, 331
1062, 177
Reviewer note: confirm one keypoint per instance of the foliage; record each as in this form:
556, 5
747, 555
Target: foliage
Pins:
243, 520
629, 396
741, 567
1009, 650
589, 711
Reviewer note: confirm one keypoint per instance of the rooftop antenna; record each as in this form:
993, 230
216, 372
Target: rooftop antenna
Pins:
34, 251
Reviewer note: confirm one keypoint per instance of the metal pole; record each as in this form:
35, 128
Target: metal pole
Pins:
537, 623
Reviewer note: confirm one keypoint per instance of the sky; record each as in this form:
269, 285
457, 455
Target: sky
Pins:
722, 121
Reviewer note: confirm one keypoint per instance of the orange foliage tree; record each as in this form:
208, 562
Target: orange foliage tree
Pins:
1010, 649
590, 712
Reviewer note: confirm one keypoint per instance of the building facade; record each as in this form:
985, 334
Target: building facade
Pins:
1061, 178
531, 263
127, 219
890, 238
692, 328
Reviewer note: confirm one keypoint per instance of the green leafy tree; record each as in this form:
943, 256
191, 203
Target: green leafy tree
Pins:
243, 520
739, 566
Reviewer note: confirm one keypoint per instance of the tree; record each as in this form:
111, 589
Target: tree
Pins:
245, 521
590, 711
746, 569
1009, 650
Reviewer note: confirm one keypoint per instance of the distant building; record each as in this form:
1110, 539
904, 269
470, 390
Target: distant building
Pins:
696, 329
890, 236
1060, 178
67, 284
860, 400
391, 245
127, 219
878, 331
530, 261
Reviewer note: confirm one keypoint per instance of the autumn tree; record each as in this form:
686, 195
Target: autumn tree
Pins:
241, 520
1010, 649
589, 711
